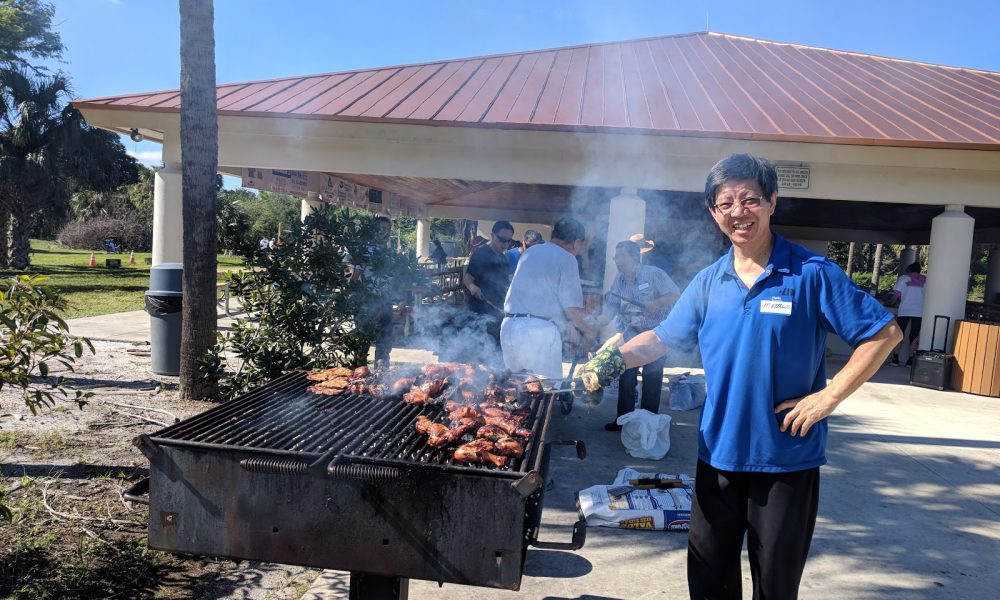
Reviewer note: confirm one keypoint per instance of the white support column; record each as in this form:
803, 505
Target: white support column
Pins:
906, 258
309, 205
992, 276
947, 273
423, 237
627, 217
168, 222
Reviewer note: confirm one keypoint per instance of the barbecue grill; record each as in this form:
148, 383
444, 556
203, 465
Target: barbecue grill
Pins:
345, 482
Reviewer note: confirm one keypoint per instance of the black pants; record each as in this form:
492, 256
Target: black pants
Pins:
776, 511
652, 387
914, 323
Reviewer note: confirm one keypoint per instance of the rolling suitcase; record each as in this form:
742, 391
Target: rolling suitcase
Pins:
932, 368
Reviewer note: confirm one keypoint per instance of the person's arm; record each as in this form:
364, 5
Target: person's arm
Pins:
578, 319
470, 284
642, 349
866, 359
664, 301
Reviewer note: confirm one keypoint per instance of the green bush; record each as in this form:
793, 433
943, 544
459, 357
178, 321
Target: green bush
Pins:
305, 309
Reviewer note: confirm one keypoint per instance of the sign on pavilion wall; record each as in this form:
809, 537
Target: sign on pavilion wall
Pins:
794, 177
330, 188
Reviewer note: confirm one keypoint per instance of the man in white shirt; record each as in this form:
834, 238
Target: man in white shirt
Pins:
545, 296
909, 289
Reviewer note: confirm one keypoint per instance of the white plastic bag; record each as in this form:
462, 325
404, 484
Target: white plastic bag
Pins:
645, 435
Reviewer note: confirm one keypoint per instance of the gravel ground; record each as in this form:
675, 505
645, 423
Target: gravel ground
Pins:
85, 445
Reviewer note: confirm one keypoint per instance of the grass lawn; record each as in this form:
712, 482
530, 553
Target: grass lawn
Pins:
98, 290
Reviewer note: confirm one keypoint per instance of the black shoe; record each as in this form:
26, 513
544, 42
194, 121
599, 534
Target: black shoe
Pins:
613, 426
909, 362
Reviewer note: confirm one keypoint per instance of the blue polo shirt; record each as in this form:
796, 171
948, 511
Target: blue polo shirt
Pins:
764, 345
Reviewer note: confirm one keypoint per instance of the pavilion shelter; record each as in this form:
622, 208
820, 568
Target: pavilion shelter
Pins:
621, 135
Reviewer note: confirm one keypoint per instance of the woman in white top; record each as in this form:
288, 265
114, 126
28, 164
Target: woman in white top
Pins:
910, 291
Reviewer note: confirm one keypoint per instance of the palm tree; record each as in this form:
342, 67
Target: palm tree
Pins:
33, 127
199, 165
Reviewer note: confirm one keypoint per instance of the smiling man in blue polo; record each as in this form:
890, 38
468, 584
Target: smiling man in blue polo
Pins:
760, 316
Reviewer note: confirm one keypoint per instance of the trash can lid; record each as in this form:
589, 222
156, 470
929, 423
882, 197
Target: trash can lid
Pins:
166, 277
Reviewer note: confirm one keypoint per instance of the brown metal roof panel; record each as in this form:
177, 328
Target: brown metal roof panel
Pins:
251, 102
571, 100
741, 111
658, 106
454, 107
524, 106
395, 97
844, 103
592, 112
881, 98
347, 91
300, 91
426, 90
154, 99
615, 111
943, 108
812, 99
294, 101
976, 98
434, 103
247, 91
484, 97
708, 115
755, 103
772, 96
636, 100
548, 101
375, 91
508, 94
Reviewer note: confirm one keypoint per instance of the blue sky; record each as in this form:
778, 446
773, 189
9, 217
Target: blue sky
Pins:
124, 46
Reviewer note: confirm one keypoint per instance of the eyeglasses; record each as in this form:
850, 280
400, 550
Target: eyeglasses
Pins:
727, 206
504, 241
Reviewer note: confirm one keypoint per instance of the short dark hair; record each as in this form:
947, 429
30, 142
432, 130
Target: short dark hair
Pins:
533, 236
630, 248
569, 230
740, 167
501, 225
913, 267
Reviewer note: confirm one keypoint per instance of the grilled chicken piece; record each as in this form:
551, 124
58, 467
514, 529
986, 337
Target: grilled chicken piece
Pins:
480, 452
416, 396
533, 387
361, 372
330, 373
376, 390
401, 384
336, 382
462, 411
510, 425
433, 387
493, 394
464, 426
423, 425
491, 432
508, 446
325, 391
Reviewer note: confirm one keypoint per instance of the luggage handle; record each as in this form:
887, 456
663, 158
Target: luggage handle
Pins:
947, 326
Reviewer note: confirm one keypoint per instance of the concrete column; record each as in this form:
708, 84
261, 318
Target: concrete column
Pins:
627, 217
168, 221
992, 276
309, 205
423, 237
819, 247
906, 258
947, 273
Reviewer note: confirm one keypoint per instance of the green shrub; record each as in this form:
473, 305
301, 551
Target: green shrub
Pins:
305, 310
90, 234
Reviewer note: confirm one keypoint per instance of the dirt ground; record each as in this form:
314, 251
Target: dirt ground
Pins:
63, 472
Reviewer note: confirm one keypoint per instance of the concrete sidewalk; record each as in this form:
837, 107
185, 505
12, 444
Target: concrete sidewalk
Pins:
909, 508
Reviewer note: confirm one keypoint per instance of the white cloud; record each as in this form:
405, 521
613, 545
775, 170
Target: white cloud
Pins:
150, 158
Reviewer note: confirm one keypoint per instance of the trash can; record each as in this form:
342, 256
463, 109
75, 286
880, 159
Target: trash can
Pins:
163, 303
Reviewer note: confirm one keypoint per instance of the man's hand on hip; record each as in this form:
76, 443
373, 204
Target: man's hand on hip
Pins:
806, 411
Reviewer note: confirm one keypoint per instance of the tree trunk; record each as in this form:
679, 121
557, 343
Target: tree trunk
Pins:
199, 166
876, 268
850, 259
19, 249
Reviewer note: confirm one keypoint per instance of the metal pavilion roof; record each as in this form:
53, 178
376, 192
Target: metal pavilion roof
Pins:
700, 84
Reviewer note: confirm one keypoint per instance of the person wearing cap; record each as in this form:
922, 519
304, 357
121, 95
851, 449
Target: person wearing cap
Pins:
640, 297
760, 316
486, 277
544, 298
652, 255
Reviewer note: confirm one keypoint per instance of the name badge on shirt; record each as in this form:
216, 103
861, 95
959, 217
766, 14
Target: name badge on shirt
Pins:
778, 305
643, 286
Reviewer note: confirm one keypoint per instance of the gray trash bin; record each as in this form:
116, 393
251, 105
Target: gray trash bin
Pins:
163, 303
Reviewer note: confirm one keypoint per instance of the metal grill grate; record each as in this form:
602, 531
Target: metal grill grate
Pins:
283, 418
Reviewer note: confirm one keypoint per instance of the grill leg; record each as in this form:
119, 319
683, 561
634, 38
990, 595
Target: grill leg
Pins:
365, 586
